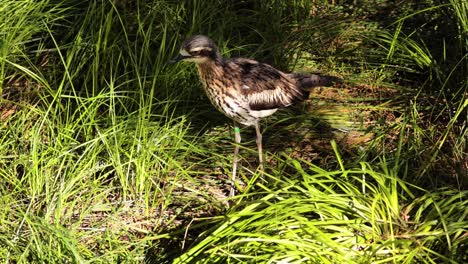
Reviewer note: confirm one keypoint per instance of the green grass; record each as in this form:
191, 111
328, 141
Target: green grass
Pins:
351, 215
108, 154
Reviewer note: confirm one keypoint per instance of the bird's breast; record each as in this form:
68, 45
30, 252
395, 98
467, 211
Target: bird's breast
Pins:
222, 92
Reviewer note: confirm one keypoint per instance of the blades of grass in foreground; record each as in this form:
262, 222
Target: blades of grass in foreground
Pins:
324, 217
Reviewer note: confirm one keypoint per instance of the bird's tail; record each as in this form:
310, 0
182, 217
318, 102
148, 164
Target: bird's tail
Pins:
308, 81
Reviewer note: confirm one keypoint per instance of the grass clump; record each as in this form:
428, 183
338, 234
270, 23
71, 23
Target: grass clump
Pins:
350, 215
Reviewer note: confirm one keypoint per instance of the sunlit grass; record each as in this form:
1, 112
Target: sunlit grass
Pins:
349, 215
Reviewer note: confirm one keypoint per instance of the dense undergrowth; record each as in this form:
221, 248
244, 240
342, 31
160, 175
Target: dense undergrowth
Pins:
110, 155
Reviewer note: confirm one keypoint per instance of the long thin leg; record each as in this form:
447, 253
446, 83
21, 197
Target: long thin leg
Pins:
237, 138
259, 144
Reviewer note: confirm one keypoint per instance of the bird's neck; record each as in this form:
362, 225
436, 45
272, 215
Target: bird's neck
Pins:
210, 69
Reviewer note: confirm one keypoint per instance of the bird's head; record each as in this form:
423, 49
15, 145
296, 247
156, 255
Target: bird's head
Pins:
198, 49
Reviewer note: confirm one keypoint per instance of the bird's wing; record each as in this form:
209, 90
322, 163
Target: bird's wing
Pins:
263, 86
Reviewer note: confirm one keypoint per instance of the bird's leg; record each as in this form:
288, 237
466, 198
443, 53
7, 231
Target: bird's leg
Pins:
259, 144
237, 138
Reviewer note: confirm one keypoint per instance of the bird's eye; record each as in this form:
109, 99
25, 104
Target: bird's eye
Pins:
196, 53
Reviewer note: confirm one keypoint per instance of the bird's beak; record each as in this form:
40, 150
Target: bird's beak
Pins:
179, 57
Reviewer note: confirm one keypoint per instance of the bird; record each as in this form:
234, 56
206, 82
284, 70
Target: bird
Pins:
246, 90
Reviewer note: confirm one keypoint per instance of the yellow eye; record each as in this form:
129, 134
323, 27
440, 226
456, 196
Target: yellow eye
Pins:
195, 52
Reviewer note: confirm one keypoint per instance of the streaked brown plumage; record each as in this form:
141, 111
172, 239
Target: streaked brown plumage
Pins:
246, 90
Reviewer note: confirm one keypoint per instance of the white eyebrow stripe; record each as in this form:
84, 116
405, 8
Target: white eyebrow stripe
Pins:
201, 48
